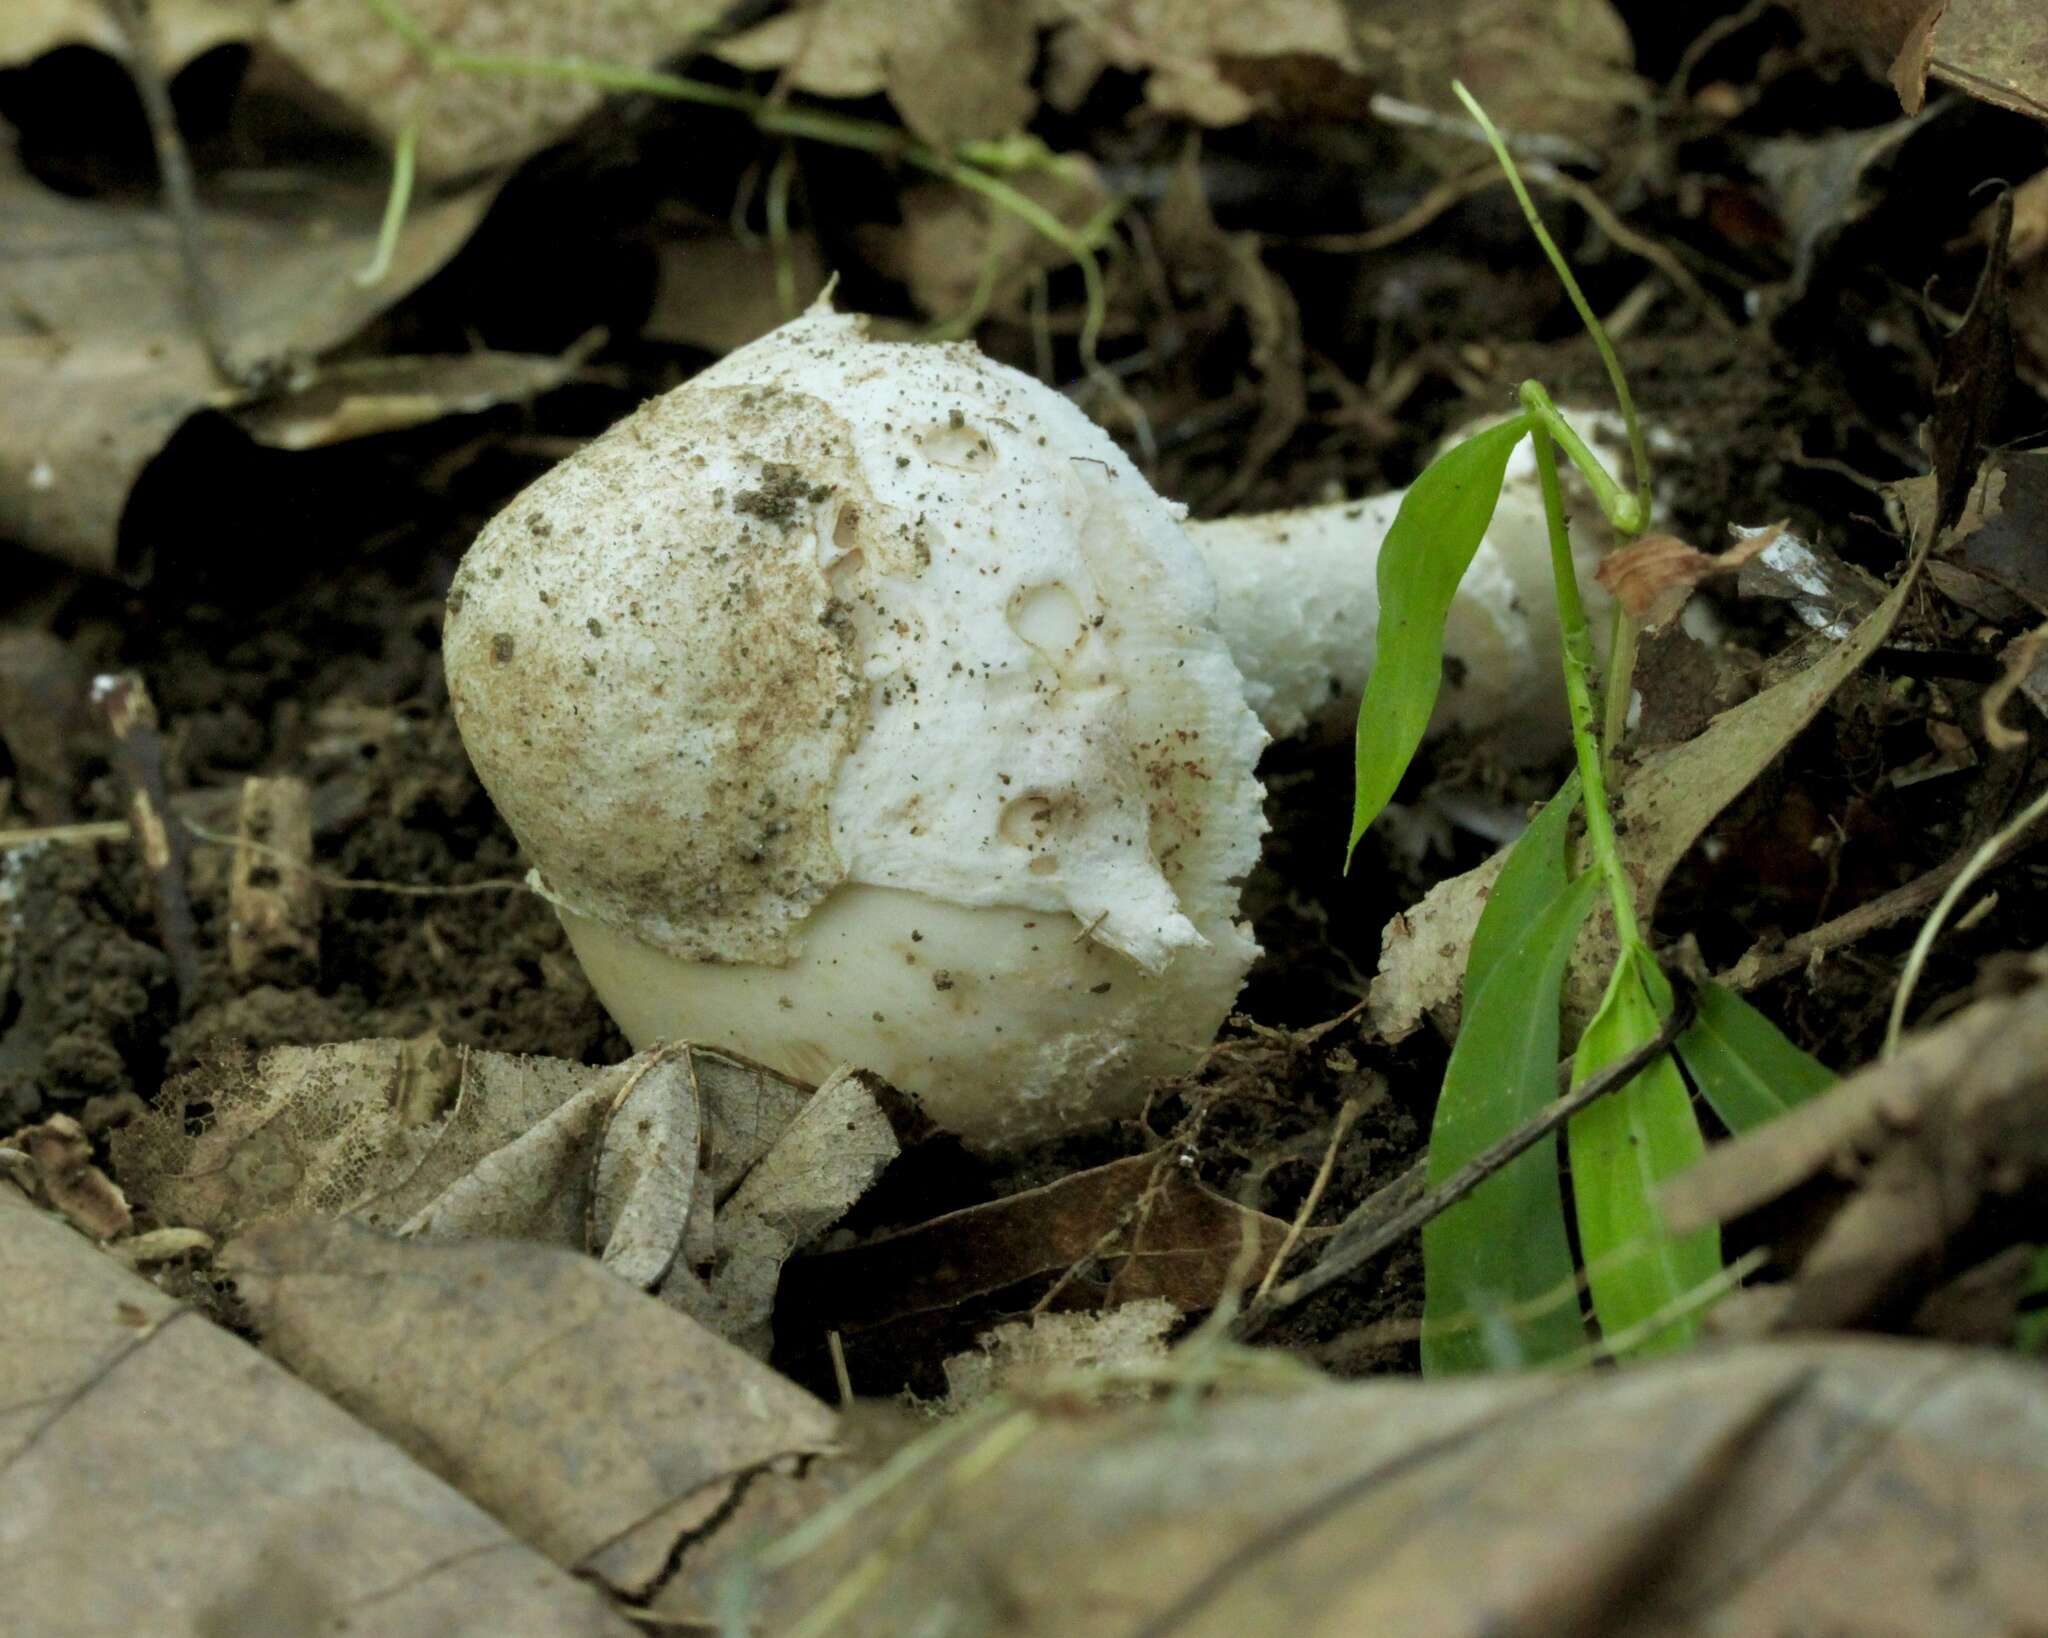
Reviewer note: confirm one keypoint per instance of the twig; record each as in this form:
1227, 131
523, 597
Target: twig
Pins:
174, 166
1372, 1228
159, 833
359, 884
1758, 966
1923, 945
1410, 222
1346, 1117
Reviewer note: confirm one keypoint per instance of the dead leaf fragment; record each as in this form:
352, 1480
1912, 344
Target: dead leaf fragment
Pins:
99, 361
573, 1407
717, 291
1423, 950
183, 28
1653, 577
1988, 48
1722, 1492
1019, 1354
445, 1142
823, 1162
475, 122
646, 1173
162, 1476
67, 1178
359, 398
1129, 1230
2021, 658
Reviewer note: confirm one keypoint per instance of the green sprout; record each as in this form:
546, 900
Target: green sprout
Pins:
1494, 1263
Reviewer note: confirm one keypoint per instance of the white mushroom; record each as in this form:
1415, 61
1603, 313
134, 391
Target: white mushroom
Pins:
859, 700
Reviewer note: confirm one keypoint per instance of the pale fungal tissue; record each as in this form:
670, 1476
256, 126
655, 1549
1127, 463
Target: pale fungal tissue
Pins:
859, 701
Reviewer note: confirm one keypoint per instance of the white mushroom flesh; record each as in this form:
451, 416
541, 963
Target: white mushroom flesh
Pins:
860, 701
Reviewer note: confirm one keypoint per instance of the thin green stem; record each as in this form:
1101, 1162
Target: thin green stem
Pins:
1035, 216
1621, 670
1625, 512
780, 176
1578, 667
964, 169
1639, 454
397, 202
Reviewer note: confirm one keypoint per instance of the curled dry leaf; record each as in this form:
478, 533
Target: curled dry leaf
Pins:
1653, 577
1955, 1123
646, 1171
99, 362
60, 1155
603, 1428
1721, 1493
162, 1476
1988, 48
442, 1141
2021, 659
954, 249
822, 1162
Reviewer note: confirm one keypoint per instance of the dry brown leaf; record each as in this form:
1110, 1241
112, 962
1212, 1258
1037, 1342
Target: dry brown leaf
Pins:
1537, 65
1958, 1119
2020, 659
1653, 577
468, 122
603, 1428
99, 361
823, 1162
1018, 1355
955, 70
359, 398
950, 241
65, 1177
433, 1140
1989, 48
184, 28
1152, 1229
158, 1475
1727, 1492
1423, 950
645, 1179
717, 291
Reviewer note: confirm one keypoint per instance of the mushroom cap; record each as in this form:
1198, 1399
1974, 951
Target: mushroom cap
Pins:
837, 640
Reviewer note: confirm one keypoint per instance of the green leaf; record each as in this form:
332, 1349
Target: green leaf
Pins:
1621, 1149
2030, 1330
1498, 1285
1440, 524
1743, 1065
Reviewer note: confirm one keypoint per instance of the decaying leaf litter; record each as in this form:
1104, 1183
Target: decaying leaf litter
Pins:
253, 433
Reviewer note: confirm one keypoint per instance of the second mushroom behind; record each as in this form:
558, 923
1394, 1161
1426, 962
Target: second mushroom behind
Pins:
860, 701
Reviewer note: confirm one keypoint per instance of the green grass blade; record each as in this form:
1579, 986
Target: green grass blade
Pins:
1502, 1250
1621, 1149
1743, 1065
1533, 876
1440, 524
2030, 1329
